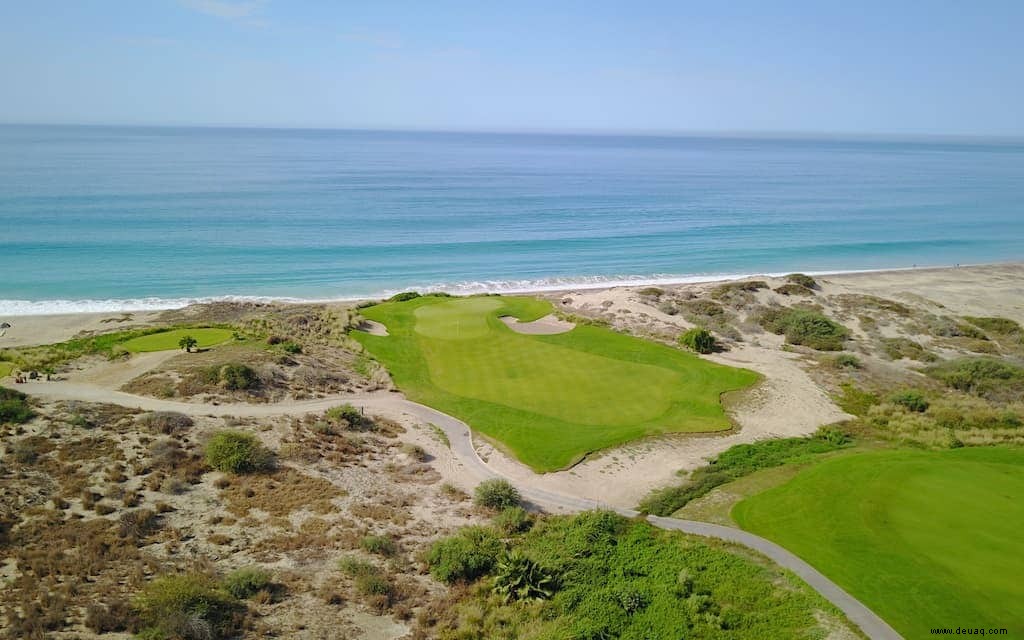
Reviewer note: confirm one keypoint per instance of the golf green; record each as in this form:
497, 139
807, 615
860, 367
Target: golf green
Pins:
167, 340
926, 539
549, 399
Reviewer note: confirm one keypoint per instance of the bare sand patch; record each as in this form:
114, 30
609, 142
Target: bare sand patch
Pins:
547, 326
27, 331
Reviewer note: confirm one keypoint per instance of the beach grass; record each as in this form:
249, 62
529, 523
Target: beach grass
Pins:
548, 399
924, 538
168, 340
6, 368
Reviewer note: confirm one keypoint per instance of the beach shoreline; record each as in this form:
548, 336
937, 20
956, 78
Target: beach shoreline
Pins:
42, 308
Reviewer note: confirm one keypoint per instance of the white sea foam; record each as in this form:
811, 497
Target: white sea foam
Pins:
54, 307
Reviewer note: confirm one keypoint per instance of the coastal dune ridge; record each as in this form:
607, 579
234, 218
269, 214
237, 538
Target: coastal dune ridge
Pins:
13, 308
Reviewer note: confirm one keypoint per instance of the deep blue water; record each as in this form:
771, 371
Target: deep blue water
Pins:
125, 213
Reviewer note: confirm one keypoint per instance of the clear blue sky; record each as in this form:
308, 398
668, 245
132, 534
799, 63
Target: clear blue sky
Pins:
952, 67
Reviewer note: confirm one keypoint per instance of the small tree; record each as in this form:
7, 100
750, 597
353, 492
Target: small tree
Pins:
187, 343
699, 340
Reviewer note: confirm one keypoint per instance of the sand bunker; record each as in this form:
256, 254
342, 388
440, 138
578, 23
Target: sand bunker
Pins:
373, 328
546, 326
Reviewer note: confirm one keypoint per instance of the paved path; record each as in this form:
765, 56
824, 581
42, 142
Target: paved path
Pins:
461, 440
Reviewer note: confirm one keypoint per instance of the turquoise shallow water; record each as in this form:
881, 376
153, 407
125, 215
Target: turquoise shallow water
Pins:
123, 217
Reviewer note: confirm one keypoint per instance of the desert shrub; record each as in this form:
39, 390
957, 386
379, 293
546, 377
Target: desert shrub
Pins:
349, 417
379, 545
136, 525
702, 307
804, 327
803, 280
246, 582
793, 290
651, 292
238, 377
237, 452
743, 285
911, 400
496, 493
512, 520
464, 557
999, 326
165, 422
374, 584
112, 616
414, 451
404, 296
353, 566
946, 327
291, 347
898, 348
738, 461
190, 607
846, 361
14, 407
986, 377
699, 340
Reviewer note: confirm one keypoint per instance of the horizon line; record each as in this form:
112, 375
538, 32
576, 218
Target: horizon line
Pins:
647, 133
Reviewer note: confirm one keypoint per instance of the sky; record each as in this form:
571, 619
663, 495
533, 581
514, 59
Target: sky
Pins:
865, 67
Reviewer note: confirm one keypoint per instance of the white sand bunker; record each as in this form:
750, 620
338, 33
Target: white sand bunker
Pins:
373, 328
546, 326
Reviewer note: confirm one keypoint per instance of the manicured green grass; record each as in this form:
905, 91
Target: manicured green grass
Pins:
167, 340
549, 399
924, 538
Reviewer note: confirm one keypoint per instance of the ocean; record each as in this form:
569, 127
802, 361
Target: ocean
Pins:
105, 218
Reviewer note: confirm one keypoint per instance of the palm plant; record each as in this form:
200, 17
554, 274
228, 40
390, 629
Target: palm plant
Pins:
517, 577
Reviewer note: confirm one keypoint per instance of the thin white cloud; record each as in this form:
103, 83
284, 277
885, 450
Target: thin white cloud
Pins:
226, 9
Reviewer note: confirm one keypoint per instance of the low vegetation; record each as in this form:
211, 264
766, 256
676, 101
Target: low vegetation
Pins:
804, 327
990, 378
598, 575
14, 407
802, 280
237, 452
738, 461
188, 606
496, 494
698, 340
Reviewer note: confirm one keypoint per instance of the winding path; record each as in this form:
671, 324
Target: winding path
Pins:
460, 437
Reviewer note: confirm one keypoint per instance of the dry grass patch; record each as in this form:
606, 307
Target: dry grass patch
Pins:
280, 493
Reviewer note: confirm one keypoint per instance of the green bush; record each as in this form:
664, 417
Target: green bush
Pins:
238, 377
699, 340
190, 607
292, 348
986, 377
803, 280
404, 296
496, 493
379, 545
805, 327
349, 417
793, 290
464, 557
354, 567
237, 452
513, 520
651, 292
911, 400
14, 407
846, 361
246, 582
